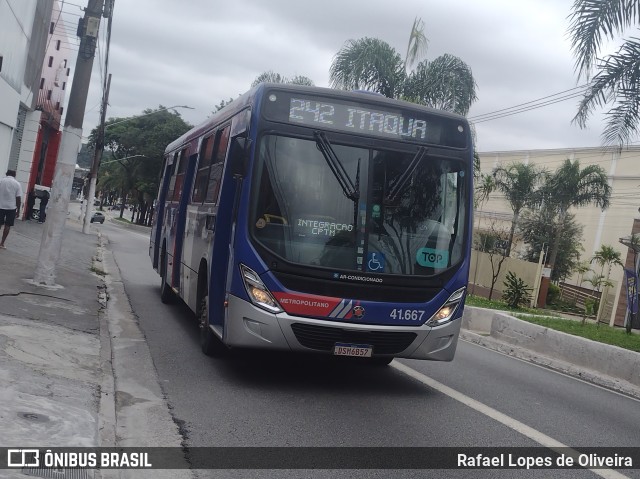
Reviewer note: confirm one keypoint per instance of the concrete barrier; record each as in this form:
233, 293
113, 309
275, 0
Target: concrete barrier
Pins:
607, 365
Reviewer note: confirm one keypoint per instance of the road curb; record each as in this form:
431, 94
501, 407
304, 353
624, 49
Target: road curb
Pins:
142, 415
563, 367
107, 404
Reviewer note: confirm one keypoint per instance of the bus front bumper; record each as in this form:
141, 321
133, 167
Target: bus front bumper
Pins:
248, 326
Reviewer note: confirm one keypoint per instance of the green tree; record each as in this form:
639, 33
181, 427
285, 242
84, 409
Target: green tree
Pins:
570, 186
372, 64
617, 78
369, 64
273, 77
417, 45
484, 186
446, 83
518, 183
147, 135
538, 229
606, 256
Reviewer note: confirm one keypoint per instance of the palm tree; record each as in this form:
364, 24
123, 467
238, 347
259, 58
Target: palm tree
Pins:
446, 83
485, 185
596, 281
368, 63
606, 256
372, 64
418, 43
617, 78
569, 186
273, 77
518, 182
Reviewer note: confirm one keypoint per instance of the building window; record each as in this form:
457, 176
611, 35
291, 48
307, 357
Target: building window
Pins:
52, 27
41, 83
49, 95
61, 110
50, 61
68, 71
57, 105
58, 45
64, 85
64, 63
0, 63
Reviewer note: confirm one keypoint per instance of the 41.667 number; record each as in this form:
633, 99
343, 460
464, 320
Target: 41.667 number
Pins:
406, 314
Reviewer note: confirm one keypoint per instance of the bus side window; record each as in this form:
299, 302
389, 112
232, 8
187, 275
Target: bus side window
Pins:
172, 172
202, 176
180, 170
217, 164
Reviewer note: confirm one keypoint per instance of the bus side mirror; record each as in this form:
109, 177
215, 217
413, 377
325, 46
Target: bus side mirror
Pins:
241, 148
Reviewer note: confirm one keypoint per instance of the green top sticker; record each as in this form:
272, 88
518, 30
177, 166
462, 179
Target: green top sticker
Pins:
432, 258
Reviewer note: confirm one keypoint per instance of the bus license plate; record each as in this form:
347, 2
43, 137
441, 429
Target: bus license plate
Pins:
357, 350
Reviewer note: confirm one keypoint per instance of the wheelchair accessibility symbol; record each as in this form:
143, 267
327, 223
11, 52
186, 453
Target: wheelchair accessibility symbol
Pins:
375, 262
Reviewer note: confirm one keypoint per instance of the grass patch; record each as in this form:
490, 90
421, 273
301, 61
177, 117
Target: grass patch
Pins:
602, 333
97, 271
124, 220
481, 302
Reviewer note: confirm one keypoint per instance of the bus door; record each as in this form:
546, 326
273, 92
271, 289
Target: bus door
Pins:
158, 214
219, 224
174, 221
200, 215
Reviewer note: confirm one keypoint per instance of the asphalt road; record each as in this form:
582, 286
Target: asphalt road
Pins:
482, 398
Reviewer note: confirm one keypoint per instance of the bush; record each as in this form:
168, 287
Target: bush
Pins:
553, 294
516, 291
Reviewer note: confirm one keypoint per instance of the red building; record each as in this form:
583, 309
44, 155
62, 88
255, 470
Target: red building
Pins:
54, 83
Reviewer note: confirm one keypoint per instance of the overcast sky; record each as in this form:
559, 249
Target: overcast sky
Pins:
199, 52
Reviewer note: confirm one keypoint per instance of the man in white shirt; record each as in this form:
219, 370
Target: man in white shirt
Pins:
10, 197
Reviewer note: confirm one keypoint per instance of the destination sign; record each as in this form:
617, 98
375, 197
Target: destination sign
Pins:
361, 118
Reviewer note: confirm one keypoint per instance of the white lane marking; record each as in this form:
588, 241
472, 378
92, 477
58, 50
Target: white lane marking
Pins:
548, 369
511, 423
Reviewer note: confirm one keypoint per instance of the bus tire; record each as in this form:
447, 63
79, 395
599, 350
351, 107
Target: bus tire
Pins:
209, 342
166, 293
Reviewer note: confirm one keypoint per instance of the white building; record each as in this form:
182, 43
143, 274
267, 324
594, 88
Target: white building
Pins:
24, 30
600, 227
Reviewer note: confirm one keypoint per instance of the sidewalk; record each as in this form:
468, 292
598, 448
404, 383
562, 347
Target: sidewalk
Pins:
51, 371
66, 355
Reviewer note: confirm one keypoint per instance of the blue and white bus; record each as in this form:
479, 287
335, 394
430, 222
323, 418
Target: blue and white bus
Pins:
308, 219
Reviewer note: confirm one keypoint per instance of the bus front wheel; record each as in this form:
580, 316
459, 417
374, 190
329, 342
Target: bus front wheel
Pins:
209, 342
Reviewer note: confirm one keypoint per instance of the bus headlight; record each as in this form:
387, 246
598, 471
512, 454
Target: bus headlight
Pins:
257, 291
448, 309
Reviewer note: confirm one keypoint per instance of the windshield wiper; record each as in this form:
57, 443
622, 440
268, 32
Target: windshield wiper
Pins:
349, 189
402, 181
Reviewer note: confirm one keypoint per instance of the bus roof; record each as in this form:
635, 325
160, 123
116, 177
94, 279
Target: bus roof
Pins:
247, 98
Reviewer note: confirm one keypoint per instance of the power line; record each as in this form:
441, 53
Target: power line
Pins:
481, 116
497, 116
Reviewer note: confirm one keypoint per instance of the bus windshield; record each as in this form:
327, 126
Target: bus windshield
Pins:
407, 217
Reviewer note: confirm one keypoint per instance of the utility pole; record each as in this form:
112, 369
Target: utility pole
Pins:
51, 243
93, 174
95, 166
